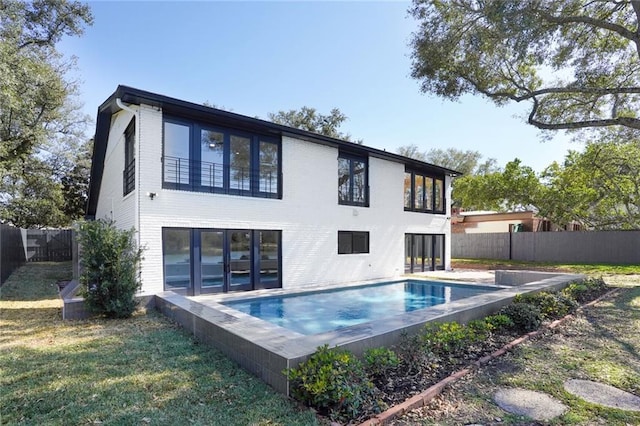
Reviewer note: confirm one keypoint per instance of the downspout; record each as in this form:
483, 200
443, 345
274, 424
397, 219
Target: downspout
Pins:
136, 115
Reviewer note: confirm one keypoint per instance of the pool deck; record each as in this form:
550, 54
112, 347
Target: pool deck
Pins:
266, 350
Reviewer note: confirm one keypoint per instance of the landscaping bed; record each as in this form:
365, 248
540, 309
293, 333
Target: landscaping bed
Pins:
350, 390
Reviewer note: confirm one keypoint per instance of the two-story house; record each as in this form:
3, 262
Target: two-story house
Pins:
224, 202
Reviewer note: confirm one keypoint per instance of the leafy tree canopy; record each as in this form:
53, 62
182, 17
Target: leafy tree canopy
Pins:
467, 162
311, 120
575, 62
512, 189
39, 117
599, 187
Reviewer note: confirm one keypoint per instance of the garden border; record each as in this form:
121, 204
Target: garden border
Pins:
421, 399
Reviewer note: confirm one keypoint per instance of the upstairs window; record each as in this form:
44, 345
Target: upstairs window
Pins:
353, 180
129, 172
423, 193
177, 156
203, 158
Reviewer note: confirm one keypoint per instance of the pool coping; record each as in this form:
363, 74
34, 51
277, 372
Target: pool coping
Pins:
267, 350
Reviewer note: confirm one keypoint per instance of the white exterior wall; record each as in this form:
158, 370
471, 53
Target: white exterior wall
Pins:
111, 203
308, 214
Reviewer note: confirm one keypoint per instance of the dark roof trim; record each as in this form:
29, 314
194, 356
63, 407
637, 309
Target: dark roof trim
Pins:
130, 95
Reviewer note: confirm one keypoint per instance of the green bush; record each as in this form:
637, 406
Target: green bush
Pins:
585, 290
334, 382
551, 305
379, 361
479, 330
525, 317
447, 337
499, 322
109, 259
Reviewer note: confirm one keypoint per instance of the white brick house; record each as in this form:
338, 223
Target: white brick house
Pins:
225, 202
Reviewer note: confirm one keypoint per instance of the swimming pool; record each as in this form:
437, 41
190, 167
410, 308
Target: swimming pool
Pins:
318, 312
266, 349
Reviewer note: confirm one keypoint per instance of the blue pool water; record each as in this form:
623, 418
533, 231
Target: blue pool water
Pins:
317, 312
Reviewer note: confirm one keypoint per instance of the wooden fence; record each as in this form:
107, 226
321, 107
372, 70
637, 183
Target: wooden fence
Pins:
615, 247
49, 245
12, 254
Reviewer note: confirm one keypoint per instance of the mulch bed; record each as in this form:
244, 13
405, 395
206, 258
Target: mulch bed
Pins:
419, 371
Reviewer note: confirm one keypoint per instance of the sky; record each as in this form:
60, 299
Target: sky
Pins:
258, 57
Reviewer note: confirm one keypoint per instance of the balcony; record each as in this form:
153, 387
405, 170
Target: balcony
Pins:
202, 176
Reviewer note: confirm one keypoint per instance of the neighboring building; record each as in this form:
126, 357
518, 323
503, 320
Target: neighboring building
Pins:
476, 222
225, 202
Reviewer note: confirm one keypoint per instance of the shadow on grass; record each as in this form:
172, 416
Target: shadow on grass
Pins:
35, 281
138, 371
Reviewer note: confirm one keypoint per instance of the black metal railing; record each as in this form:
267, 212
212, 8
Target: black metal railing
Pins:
129, 178
203, 176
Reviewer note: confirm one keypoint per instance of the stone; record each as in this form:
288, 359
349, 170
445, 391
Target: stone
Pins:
601, 394
535, 405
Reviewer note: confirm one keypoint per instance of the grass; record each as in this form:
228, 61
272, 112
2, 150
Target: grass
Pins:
602, 344
581, 268
144, 370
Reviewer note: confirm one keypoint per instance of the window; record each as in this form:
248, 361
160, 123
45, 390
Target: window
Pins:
220, 160
353, 185
129, 173
176, 153
350, 242
211, 158
423, 193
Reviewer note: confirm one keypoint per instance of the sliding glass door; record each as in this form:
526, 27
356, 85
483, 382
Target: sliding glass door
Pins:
198, 261
423, 252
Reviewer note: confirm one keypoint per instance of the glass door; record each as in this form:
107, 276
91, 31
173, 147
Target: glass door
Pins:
212, 261
240, 261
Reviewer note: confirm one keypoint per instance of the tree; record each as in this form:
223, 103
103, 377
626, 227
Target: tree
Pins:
412, 151
515, 188
575, 62
466, 162
599, 187
311, 120
30, 197
49, 188
37, 105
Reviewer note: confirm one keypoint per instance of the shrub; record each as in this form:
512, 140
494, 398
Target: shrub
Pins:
525, 317
109, 259
499, 322
333, 381
379, 361
479, 330
585, 290
444, 338
414, 356
551, 305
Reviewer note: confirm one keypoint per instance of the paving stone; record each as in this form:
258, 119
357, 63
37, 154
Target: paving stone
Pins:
599, 393
535, 405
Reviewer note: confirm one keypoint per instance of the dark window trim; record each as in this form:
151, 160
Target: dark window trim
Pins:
195, 253
129, 172
352, 234
195, 161
432, 207
362, 158
433, 266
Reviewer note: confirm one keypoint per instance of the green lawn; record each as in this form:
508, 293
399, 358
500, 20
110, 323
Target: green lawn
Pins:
581, 268
144, 370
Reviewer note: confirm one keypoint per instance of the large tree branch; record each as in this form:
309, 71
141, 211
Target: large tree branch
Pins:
597, 23
630, 122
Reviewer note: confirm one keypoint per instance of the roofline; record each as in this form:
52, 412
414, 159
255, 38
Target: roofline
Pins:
182, 108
